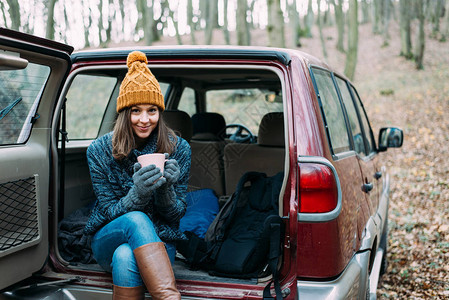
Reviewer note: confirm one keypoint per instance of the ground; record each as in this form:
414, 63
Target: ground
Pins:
396, 94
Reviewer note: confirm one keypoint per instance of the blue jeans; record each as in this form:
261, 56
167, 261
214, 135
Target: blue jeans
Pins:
113, 246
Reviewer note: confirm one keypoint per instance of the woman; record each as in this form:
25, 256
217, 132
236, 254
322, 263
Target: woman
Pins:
136, 216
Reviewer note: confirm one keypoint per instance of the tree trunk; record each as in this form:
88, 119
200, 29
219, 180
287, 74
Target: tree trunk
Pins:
225, 23
242, 26
436, 13
50, 27
295, 24
211, 21
339, 19
308, 20
353, 39
190, 22
404, 27
275, 27
386, 22
14, 14
2, 7
87, 26
377, 14
146, 21
365, 12
175, 24
420, 41
320, 27
100, 24
445, 25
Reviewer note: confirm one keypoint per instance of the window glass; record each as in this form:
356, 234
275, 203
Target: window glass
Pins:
332, 110
20, 92
365, 122
357, 136
87, 99
243, 106
187, 101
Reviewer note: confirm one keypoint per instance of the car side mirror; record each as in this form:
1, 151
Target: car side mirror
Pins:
390, 137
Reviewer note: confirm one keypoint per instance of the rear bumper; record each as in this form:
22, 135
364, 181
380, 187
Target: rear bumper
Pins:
351, 284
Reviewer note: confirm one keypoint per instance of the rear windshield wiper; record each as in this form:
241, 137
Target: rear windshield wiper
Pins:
7, 109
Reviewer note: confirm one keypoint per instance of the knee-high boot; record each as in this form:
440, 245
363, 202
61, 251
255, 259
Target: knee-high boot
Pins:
127, 293
156, 271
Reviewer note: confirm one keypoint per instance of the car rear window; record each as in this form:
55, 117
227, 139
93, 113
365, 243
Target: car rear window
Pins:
20, 92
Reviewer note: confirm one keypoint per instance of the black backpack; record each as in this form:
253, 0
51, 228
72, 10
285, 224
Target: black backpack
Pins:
245, 235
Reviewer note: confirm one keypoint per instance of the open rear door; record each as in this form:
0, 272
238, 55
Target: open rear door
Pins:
32, 70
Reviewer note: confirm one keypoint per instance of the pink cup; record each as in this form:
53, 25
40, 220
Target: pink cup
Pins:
157, 159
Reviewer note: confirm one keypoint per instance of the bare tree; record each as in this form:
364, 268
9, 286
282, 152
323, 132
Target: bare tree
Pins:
87, 22
377, 16
404, 27
320, 27
275, 28
50, 27
293, 15
211, 20
445, 25
243, 36
365, 12
190, 22
339, 19
420, 40
386, 5
308, 20
353, 39
14, 13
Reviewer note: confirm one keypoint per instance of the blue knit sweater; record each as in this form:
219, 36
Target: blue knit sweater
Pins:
112, 182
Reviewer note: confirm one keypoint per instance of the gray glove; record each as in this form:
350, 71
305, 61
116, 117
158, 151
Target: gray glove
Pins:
146, 180
171, 170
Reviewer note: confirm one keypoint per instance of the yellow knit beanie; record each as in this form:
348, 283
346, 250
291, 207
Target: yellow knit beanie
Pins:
139, 85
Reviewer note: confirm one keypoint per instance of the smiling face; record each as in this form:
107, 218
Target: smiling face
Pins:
144, 119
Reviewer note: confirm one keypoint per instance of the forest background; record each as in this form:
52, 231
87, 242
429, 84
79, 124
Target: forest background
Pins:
395, 51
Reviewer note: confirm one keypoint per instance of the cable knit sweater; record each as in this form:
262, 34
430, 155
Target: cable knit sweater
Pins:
112, 182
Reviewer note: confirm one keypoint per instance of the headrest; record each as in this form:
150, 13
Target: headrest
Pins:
271, 130
208, 126
180, 122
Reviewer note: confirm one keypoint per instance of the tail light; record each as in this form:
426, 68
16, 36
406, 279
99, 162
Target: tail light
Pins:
319, 190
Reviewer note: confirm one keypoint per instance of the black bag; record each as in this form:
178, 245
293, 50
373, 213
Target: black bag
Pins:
240, 242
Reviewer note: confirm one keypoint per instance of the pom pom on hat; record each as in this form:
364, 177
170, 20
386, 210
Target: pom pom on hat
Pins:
139, 85
136, 56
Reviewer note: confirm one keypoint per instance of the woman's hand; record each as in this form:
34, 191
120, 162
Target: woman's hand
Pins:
171, 170
146, 180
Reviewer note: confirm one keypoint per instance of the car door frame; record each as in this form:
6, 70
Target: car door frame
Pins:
29, 162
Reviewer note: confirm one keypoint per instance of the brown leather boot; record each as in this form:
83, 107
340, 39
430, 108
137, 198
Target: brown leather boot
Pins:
127, 293
156, 271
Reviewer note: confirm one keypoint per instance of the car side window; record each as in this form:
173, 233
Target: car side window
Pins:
332, 110
187, 101
365, 123
243, 106
354, 124
87, 99
20, 92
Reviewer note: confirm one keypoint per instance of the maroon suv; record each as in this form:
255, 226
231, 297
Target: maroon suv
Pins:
335, 190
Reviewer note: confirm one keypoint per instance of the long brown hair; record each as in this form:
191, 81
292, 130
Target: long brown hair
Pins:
123, 140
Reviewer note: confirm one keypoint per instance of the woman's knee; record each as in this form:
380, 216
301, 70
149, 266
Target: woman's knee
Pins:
140, 229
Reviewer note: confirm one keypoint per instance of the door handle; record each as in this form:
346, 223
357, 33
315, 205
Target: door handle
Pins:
367, 187
378, 175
